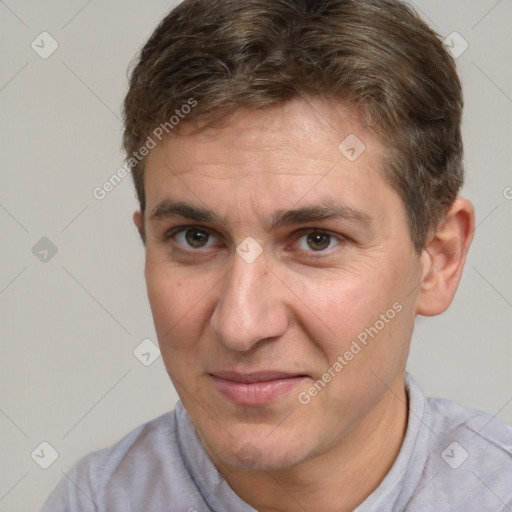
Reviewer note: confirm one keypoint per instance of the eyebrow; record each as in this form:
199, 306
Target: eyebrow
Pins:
168, 208
312, 213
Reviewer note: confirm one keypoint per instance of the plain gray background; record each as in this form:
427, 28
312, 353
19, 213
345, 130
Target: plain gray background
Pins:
69, 325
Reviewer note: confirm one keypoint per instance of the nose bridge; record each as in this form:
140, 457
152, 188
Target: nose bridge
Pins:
248, 309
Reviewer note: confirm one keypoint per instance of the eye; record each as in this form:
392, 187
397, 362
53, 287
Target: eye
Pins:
194, 238
317, 241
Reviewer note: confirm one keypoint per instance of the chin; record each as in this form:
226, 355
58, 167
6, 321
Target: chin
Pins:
265, 462
263, 452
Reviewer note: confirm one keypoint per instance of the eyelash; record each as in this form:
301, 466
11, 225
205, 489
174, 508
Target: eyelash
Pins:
170, 234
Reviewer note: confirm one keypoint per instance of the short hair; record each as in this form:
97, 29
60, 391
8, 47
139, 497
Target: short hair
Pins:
375, 55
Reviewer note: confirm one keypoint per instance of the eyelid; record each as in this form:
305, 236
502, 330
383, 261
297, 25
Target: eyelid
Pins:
306, 231
176, 229
172, 232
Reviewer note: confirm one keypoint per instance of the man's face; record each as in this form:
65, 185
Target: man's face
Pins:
244, 334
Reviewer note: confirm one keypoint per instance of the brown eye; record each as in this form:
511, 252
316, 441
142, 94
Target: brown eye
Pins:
318, 241
196, 238
192, 238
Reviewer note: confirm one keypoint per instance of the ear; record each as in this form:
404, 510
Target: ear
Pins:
443, 259
138, 220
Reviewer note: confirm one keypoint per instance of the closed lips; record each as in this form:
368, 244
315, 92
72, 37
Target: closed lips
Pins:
254, 377
254, 389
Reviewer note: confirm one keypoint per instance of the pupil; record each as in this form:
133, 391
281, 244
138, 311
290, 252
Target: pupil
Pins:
318, 241
196, 238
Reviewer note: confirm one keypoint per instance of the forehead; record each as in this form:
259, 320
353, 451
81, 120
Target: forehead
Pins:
312, 129
269, 159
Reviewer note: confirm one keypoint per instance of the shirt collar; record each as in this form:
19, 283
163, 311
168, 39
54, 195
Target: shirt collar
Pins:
399, 485
211, 484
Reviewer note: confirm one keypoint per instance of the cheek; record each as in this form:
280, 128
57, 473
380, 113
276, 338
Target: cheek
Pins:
177, 302
365, 344
179, 307
343, 301
367, 306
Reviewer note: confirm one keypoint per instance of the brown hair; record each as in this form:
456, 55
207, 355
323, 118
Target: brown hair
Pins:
376, 55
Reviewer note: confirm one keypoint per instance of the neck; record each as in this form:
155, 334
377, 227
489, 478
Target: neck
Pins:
340, 479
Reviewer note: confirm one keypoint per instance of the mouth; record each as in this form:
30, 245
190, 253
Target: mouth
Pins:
259, 388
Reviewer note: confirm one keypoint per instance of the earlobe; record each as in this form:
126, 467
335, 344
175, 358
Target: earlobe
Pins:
443, 259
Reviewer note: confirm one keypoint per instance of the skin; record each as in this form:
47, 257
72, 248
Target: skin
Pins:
295, 308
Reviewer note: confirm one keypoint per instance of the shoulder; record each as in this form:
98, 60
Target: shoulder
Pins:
482, 428
123, 475
145, 445
481, 438
469, 461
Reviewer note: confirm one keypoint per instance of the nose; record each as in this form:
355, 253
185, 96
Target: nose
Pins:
250, 307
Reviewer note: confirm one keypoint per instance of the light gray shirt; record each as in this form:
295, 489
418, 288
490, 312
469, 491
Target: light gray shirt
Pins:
451, 459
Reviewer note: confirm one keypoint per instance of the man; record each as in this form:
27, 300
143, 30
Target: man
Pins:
297, 165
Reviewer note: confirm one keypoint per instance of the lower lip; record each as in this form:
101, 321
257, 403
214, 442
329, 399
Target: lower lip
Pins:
255, 393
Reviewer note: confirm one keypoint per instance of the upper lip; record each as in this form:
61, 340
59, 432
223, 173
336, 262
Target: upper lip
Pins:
263, 376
